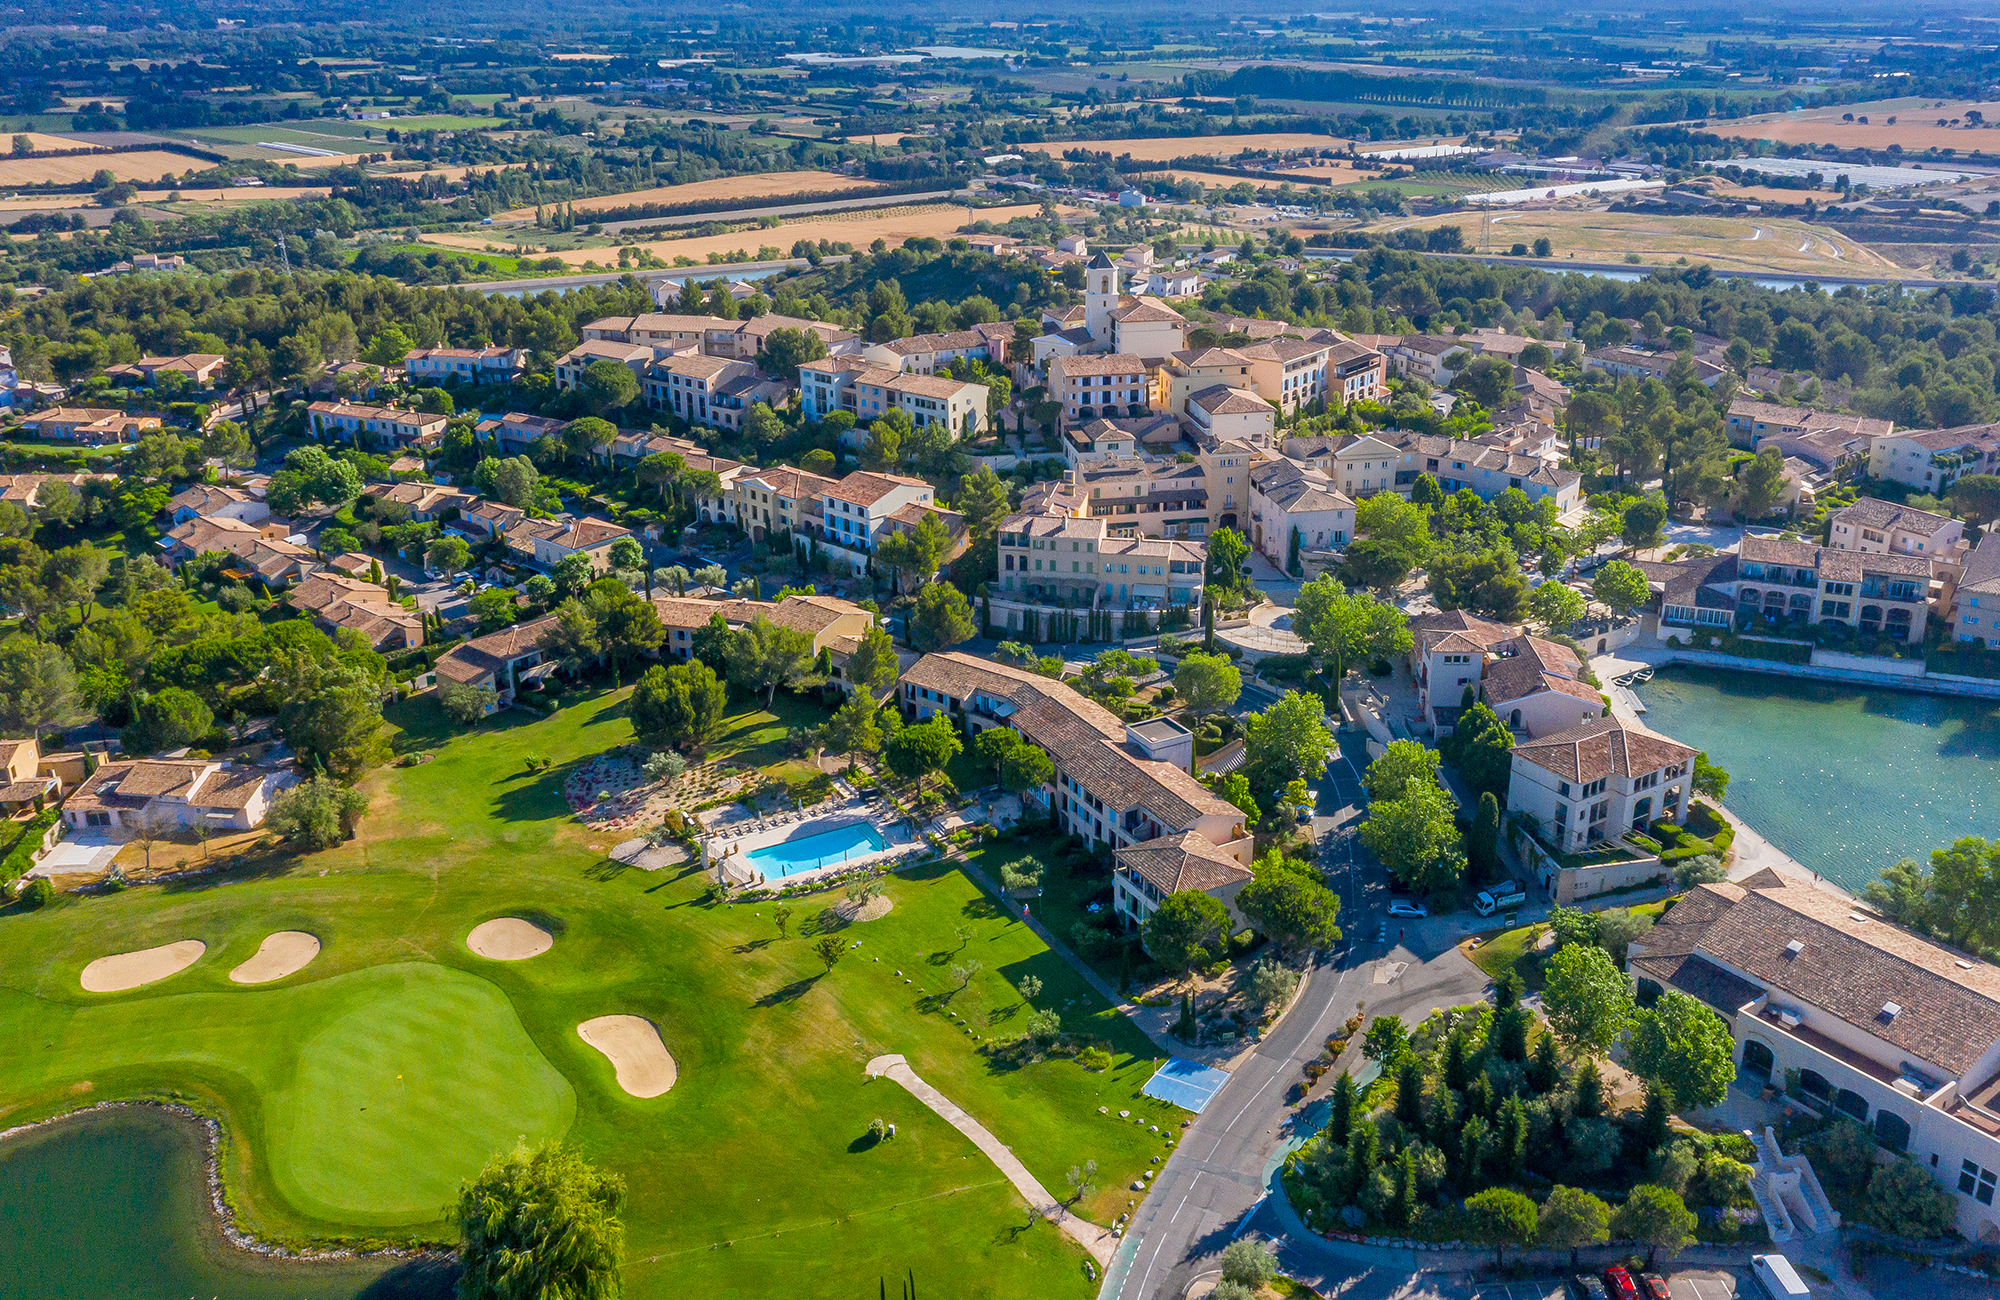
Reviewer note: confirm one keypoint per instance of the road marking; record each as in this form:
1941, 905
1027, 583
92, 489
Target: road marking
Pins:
1246, 1106
1179, 1208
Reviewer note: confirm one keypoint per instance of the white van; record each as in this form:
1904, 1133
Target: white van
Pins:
1508, 893
1780, 1279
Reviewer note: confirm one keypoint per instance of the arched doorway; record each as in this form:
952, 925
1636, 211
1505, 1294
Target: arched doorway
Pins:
1758, 1059
1642, 812
1848, 1102
1814, 1085
1892, 1130
1227, 521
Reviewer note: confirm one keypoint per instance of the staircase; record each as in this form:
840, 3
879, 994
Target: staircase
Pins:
1788, 1192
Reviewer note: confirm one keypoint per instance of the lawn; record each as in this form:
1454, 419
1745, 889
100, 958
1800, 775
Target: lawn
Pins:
1501, 951
753, 1168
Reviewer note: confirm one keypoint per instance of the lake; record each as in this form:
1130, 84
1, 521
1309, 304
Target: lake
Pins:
1845, 779
113, 1205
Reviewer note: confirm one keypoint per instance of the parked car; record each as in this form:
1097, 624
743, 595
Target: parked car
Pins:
1618, 1281
1656, 1287
1399, 907
1585, 1287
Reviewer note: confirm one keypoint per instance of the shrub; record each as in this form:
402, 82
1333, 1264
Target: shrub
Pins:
38, 895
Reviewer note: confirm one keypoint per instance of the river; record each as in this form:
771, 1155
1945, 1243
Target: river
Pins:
1845, 779
113, 1205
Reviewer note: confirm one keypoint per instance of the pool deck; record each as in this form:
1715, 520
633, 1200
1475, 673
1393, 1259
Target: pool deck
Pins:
731, 838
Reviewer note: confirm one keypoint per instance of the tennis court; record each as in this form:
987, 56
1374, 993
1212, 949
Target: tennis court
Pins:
1185, 1084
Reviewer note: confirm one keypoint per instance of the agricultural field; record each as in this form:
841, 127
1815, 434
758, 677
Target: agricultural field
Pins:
43, 143
861, 228
1915, 129
1730, 243
357, 1092
722, 192
145, 165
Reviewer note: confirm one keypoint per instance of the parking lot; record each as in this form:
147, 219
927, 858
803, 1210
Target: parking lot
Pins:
1693, 1284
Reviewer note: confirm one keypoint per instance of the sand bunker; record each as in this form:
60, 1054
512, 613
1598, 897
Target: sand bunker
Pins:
129, 970
285, 952
873, 910
509, 938
645, 1069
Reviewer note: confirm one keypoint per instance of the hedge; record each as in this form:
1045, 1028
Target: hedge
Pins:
22, 855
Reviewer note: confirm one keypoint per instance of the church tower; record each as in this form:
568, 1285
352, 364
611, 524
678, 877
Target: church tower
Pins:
1100, 298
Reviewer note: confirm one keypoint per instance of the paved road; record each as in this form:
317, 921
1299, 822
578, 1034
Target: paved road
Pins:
1223, 1164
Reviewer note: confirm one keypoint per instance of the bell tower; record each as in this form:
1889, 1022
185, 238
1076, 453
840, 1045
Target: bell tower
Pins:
1100, 297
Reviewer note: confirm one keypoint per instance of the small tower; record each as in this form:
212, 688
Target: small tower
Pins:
1100, 297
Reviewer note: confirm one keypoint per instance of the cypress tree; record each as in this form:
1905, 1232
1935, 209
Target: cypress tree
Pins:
1410, 1096
1457, 1061
1342, 1117
1589, 1092
1403, 1206
1653, 1130
1544, 1067
1363, 1154
1510, 1034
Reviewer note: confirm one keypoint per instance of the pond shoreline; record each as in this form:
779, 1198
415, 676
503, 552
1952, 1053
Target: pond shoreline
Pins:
224, 1215
1840, 778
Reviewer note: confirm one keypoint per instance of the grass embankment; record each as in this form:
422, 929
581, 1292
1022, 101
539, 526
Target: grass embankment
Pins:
357, 1093
1514, 950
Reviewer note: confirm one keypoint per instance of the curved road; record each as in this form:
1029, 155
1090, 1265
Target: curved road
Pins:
1222, 1167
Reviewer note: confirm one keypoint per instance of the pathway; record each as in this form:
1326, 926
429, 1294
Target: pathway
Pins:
1092, 1238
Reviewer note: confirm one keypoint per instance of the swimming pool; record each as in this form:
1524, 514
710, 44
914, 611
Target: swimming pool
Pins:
826, 849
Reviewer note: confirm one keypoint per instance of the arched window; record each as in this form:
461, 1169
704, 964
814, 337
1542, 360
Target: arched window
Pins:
1814, 1085
1892, 1130
1642, 812
1514, 719
1748, 596
1852, 1103
1758, 1059
1871, 618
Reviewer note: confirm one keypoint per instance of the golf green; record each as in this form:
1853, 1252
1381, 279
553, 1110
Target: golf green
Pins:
407, 1092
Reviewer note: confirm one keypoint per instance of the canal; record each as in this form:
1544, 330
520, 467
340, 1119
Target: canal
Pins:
113, 1205
1845, 779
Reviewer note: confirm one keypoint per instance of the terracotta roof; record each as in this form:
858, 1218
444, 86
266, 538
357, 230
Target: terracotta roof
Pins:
489, 654
863, 488
1184, 861
955, 341
689, 612
1431, 630
1225, 400
588, 533
1600, 748
1085, 739
1853, 566
1109, 363
1852, 965
1869, 512
786, 481
1530, 666
1982, 568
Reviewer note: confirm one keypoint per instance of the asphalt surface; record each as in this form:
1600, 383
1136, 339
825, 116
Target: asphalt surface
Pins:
1215, 1182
